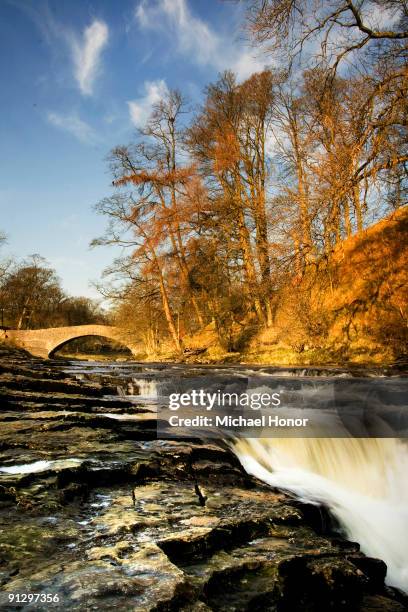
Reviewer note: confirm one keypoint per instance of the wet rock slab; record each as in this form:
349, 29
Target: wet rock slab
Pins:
100, 512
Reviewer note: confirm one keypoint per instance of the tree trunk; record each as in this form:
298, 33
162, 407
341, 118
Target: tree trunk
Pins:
168, 314
165, 301
357, 208
346, 216
249, 266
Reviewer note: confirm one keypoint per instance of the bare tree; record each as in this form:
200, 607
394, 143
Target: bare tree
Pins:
340, 27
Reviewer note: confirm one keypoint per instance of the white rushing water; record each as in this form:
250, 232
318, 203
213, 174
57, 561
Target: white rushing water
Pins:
140, 388
38, 466
364, 482
146, 387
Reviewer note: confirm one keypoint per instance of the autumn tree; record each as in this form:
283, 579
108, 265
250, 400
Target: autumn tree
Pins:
30, 293
79, 310
227, 211
5, 262
228, 142
363, 46
257, 94
330, 32
146, 212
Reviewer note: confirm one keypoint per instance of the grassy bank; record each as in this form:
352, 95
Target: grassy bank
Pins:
349, 308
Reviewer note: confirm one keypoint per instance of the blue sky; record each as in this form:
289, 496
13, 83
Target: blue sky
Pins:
77, 78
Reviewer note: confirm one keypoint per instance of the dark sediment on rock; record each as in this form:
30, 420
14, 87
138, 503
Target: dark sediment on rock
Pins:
107, 516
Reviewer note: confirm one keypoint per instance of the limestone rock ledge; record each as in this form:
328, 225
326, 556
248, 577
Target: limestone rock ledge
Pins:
107, 516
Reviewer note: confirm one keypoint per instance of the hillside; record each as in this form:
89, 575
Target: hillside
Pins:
352, 309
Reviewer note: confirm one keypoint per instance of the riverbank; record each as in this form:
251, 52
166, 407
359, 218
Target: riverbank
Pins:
204, 349
96, 510
347, 309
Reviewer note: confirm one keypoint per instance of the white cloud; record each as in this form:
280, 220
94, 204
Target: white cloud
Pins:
193, 35
74, 126
87, 55
195, 39
141, 108
246, 64
86, 49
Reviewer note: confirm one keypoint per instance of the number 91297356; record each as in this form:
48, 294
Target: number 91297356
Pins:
18, 598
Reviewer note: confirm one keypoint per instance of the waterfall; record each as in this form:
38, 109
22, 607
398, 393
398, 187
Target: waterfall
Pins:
139, 389
362, 481
146, 387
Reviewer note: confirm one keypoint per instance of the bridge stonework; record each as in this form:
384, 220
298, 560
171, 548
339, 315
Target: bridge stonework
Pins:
44, 342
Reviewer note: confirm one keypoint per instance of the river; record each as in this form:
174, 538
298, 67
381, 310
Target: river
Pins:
362, 481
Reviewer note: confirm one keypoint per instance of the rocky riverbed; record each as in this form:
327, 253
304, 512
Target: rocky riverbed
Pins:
99, 512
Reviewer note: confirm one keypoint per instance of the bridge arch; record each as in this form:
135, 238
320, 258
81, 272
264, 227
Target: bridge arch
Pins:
45, 342
55, 350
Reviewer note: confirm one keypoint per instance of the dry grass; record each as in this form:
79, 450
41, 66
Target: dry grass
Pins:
354, 309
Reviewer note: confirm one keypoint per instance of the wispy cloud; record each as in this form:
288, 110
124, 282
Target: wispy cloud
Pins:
74, 126
140, 109
87, 54
193, 35
195, 39
85, 48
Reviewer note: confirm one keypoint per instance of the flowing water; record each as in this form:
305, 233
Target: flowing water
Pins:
362, 481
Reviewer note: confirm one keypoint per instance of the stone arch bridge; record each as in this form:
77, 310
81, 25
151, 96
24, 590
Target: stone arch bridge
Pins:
45, 342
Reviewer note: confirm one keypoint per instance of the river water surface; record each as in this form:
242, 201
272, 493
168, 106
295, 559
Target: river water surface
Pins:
363, 481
